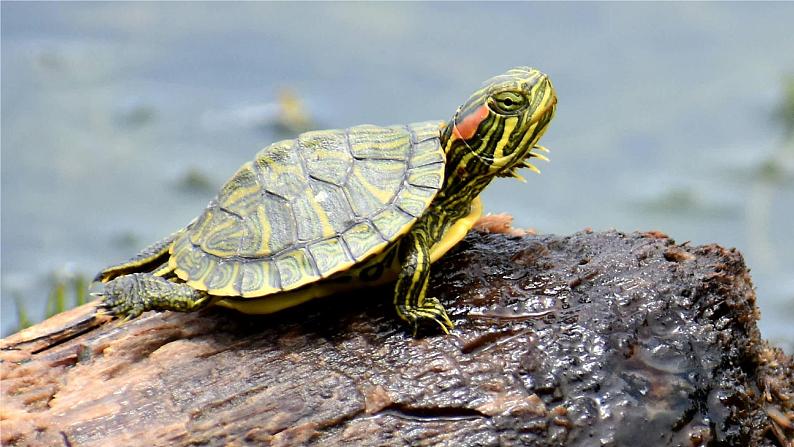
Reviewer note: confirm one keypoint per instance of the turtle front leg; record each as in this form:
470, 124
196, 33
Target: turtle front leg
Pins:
130, 295
409, 294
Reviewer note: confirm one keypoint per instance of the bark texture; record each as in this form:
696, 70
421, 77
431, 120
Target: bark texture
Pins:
589, 339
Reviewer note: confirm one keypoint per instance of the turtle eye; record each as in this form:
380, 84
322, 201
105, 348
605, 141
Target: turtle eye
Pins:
507, 103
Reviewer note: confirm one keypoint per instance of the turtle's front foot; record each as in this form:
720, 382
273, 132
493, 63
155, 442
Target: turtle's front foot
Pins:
429, 313
120, 298
130, 295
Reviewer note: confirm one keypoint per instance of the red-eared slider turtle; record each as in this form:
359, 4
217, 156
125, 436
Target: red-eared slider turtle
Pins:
338, 209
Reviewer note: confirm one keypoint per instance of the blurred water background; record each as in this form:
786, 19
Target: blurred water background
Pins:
120, 120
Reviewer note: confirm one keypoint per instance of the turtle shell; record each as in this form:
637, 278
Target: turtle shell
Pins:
307, 208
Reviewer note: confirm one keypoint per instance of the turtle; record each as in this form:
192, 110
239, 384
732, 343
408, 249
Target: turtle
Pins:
334, 210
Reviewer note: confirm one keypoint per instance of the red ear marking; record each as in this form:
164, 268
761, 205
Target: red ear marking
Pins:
466, 128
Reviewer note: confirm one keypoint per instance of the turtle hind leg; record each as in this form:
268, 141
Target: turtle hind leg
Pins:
147, 260
410, 301
130, 295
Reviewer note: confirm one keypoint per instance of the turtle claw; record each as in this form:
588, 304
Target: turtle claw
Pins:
539, 156
419, 325
104, 310
541, 148
432, 314
126, 309
101, 311
432, 322
532, 167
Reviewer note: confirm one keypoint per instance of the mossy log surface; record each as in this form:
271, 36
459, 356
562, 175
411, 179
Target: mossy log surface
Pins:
589, 339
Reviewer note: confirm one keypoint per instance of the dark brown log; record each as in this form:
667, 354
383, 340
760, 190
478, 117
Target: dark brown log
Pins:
591, 339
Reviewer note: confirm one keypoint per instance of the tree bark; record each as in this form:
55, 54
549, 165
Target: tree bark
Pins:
594, 338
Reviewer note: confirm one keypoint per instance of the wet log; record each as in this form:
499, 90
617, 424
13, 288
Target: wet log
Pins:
589, 339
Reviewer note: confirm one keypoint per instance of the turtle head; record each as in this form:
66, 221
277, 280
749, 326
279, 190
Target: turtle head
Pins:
495, 131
